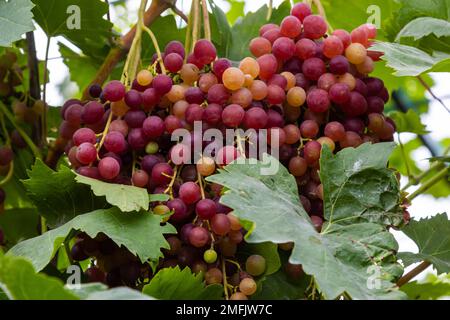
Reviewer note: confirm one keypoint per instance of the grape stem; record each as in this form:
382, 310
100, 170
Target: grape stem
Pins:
234, 262
428, 184
195, 28
8, 177
44, 95
427, 87
413, 273
105, 132
207, 26
156, 45
30, 143
269, 10
437, 166
172, 182
402, 149
225, 283
187, 44
200, 183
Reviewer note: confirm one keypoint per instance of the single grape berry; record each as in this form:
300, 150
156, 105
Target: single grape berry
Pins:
210, 256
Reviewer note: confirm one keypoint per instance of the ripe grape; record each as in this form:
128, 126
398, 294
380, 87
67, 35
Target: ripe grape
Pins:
356, 53
199, 237
335, 131
180, 211
255, 118
109, 168
258, 90
309, 129
332, 47
301, 11
283, 48
137, 139
205, 209
339, 65
275, 94
260, 46
213, 275
92, 112
314, 27
6, 156
219, 67
189, 192
86, 153
135, 118
248, 286
189, 73
153, 127
144, 78
313, 68
311, 151
206, 81
339, 93
205, 51
218, 94
115, 142
175, 47
233, 78
140, 178
268, 66
318, 100
220, 224
233, 115
162, 84
114, 91
173, 62
298, 166
344, 36
249, 66
161, 174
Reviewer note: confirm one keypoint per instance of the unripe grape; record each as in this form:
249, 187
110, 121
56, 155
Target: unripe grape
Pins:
233, 78
249, 66
248, 286
255, 265
210, 256
356, 53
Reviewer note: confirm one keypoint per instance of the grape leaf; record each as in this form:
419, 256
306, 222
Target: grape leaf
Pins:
141, 233
358, 187
220, 30
363, 11
432, 237
16, 19
60, 17
236, 10
19, 280
407, 60
408, 122
425, 26
342, 257
19, 224
177, 284
126, 198
56, 194
433, 288
99, 291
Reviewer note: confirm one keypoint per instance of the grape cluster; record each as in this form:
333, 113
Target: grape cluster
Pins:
25, 110
307, 87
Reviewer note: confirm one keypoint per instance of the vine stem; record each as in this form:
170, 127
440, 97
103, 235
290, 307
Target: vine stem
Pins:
196, 27
206, 20
30, 143
269, 10
428, 184
44, 95
116, 53
156, 45
172, 181
413, 273
427, 87
187, 44
402, 149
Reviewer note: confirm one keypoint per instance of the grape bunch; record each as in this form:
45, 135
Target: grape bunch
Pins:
306, 87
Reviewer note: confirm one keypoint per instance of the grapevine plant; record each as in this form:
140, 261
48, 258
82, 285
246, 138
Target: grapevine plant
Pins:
101, 198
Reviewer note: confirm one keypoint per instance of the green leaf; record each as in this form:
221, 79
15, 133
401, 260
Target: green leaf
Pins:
126, 198
16, 19
141, 233
158, 197
120, 293
82, 68
401, 161
19, 224
268, 250
433, 288
236, 10
432, 237
342, 258
99, 291
220, 30
19, 281
358, 187
93, 31
407, 60
53, 121
422, 27
177, 284
408, 122
57, 195
440, 189
362, 11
